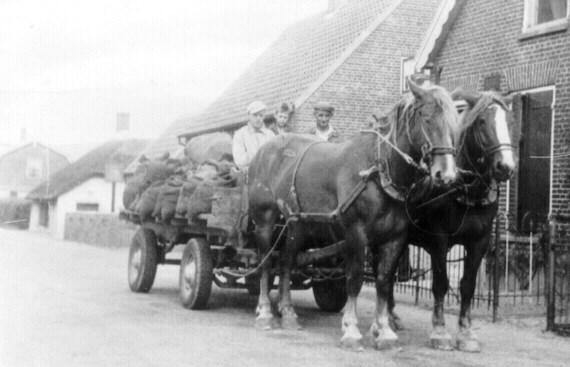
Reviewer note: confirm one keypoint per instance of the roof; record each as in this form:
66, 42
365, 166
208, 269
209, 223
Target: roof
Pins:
90, 165
33, 143
446, 15
289, 69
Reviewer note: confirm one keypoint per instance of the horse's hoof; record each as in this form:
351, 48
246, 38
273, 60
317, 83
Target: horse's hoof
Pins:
469, 345
440, 339
396, 323
264, 323
385, 344
384, 338
290, 323
467, 342
350, 343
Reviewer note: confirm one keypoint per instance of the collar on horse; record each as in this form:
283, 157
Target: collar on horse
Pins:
365, 175
380, 167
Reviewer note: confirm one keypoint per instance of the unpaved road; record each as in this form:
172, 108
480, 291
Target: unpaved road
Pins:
68, 304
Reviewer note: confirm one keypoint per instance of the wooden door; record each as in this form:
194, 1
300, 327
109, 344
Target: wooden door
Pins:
534, 158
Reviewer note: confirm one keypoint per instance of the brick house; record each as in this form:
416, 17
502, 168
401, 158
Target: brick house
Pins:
351, 55
25, 167
521, 48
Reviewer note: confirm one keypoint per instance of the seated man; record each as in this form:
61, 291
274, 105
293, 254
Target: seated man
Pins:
248, 139
323, 112
283, 116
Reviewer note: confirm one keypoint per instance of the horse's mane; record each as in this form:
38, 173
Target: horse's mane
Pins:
400, 115
485, 100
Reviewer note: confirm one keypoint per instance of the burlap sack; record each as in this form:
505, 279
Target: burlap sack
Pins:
185, 196
167, 198
206, 147
145, 206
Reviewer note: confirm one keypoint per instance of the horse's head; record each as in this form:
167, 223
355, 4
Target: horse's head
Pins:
431, 129
485, 138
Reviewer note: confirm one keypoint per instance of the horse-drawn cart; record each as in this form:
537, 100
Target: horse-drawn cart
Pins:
220, 249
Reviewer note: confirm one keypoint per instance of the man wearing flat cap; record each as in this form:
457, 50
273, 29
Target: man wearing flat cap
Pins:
323, 112
248, 139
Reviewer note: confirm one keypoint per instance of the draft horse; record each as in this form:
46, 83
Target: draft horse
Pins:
485, 156
362, 182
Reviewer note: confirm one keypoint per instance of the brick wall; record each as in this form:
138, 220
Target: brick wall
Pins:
105, 230
485, 40
369, 80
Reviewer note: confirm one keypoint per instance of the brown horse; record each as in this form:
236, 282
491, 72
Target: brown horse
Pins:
485, 150
363, 182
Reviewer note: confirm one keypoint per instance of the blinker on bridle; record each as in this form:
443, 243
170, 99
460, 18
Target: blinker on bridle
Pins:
429, 150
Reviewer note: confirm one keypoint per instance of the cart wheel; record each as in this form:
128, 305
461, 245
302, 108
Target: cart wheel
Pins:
330, 295
252, 283
142, 260
196, 274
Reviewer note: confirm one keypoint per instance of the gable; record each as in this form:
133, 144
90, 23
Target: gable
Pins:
285, 70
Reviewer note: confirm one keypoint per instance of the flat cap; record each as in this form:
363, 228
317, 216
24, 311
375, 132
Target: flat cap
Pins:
324, 106
255, 107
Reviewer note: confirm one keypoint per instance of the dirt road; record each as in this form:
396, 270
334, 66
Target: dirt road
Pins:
68, 304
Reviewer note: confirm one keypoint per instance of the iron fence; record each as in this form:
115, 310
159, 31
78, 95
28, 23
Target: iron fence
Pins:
511, 276
558, 279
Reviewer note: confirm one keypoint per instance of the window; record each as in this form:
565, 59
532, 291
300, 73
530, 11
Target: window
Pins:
408, 69
13, 194
544, 16
87, 207
34, 168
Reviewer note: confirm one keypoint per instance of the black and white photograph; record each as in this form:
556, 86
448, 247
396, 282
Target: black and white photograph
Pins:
285, 183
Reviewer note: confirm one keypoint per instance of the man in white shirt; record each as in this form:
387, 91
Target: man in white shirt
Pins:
323, 112
248, 139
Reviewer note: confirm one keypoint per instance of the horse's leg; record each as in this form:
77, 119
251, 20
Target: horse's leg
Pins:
354, 257
395, 320
264, 316
295, 239
440, 338
388, 255
466, 339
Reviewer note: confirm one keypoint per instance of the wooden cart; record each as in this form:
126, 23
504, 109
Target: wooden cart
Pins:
220, 249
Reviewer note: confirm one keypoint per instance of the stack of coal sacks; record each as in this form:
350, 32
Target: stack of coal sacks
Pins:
164, 188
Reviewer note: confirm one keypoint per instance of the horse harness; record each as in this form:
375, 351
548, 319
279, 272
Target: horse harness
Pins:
379, 173
483, 191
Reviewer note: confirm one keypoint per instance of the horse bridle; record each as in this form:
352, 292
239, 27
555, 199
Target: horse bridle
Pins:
429, 150
487, 152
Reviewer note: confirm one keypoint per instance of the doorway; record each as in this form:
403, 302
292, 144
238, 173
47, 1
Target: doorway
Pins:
534, 159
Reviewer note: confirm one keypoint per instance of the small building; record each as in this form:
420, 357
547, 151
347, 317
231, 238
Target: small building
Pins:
355, 55
25, 167
93, 183
521, 48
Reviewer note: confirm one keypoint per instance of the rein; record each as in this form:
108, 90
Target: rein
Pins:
381, 138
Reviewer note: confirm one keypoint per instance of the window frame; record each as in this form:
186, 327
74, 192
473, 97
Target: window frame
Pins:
531, 28
403, 63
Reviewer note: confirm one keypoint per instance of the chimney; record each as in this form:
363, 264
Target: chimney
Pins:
123, 122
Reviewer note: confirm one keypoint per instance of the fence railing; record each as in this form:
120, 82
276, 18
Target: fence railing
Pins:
511, 276
558, 278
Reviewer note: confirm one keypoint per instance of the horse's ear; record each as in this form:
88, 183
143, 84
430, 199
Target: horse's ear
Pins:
471, 97
416, 90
